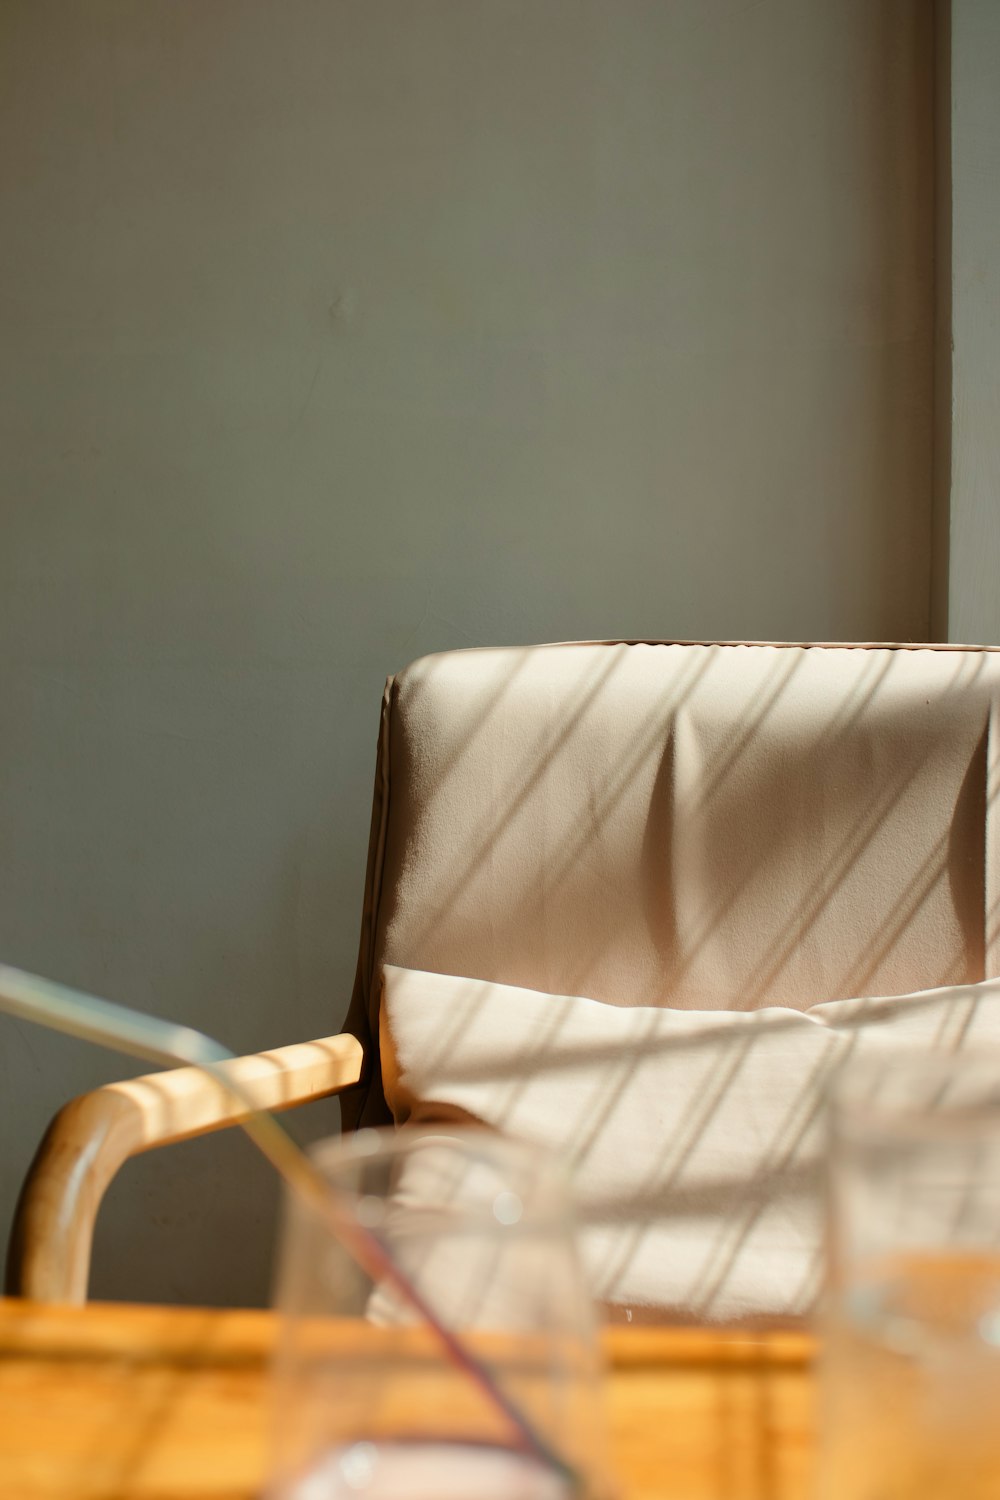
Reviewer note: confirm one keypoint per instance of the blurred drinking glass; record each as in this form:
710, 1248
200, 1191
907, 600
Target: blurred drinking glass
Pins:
369, 1403
911, 1366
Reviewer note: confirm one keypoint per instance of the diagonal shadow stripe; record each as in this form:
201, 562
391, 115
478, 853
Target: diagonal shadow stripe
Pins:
828, 881
440, 910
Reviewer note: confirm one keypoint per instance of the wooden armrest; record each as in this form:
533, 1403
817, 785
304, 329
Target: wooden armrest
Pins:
90, 1138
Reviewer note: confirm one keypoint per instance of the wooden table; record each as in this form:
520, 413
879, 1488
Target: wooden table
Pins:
159, 1403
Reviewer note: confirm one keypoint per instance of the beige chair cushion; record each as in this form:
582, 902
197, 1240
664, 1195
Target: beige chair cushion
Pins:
695, 1137
683, 833
704, 827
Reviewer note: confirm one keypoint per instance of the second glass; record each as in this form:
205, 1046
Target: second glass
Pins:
461, 1360
911, 1371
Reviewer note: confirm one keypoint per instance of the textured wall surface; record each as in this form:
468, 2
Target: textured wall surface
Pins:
340, 332
974, 591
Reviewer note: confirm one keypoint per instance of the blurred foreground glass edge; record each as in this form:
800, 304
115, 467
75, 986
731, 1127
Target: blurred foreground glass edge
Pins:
365, 1403
910, 1367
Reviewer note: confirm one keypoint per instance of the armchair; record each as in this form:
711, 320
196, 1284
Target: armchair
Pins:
586, 858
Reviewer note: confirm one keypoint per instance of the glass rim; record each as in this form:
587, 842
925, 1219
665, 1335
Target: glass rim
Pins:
545, 1173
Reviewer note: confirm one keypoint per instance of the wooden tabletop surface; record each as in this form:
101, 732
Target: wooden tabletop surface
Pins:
110, 1402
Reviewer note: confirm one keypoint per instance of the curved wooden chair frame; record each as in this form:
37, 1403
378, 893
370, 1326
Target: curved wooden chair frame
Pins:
92, 1136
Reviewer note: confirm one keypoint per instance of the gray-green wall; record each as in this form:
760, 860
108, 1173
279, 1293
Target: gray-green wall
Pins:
339, 331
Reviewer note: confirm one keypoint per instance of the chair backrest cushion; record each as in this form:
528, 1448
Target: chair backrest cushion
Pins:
698, 827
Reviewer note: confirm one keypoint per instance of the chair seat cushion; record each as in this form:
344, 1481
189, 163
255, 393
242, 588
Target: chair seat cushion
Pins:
695, 1137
